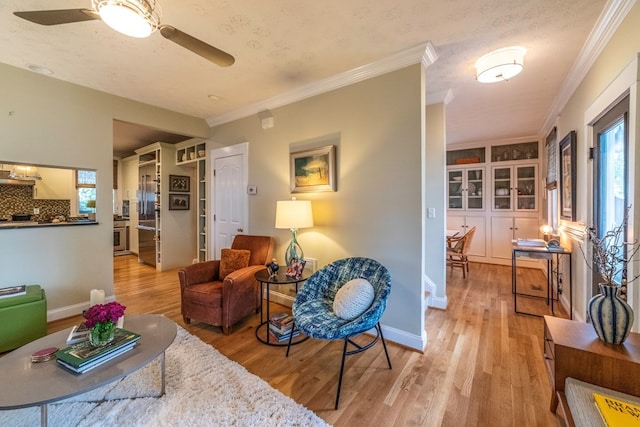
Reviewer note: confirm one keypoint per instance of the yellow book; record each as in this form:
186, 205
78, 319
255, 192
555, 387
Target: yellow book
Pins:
617, 413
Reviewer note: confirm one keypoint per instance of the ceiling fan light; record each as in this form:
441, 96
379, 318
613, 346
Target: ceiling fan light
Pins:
134, 18
500, 65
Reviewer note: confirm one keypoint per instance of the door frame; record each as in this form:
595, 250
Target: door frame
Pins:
218, 153
626, 82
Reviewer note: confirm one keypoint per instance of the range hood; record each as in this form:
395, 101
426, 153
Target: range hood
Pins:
7, 181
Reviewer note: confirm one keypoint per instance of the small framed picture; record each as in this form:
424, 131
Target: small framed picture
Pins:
178, 202
179, 183
313, 170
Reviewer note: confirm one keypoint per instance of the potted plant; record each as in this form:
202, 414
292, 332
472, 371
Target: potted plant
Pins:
92, 205
611, 255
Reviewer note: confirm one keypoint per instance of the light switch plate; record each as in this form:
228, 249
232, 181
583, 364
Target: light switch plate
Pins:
431, 212
252, 189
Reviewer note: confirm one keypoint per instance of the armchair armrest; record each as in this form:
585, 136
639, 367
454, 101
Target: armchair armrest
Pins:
202, 272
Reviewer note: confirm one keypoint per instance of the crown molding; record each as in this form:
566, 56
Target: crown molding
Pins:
424, 54
610, 19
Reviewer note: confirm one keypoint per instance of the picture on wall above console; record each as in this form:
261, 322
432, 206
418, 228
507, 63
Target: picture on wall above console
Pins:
568, 176
313, 170
179, 183
178, 202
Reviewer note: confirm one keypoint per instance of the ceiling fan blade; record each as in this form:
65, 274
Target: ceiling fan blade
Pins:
60, 16
199, 47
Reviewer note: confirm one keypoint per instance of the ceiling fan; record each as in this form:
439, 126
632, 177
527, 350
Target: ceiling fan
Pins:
135, 18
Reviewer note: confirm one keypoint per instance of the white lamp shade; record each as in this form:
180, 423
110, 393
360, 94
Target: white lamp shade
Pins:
294, 214
500, 65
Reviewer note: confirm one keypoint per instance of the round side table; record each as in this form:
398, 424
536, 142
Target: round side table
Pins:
262, 276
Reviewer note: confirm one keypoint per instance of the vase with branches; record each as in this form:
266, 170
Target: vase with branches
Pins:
611, 255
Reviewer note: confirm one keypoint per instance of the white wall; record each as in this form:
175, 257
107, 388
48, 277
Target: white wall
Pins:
604, 82
48, 122
377, 126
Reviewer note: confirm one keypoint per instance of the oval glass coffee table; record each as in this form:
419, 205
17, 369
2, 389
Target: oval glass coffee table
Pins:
38, 384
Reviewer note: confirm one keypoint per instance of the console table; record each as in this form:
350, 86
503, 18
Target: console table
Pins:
544, 253
572, 349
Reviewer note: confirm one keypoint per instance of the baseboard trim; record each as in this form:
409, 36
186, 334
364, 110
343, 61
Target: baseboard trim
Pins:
71, 310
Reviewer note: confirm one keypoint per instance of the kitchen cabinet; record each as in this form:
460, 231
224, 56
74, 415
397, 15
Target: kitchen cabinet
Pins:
504, 229
55, 184
464, 223
514, 188
466, 188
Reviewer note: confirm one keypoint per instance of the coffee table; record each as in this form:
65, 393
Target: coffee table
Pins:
25, 384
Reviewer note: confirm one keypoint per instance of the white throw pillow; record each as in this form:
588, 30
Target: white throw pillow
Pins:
353, 298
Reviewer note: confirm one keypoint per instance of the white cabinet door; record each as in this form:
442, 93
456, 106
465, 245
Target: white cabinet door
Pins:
55, 184
501, 236
479, 242
526, 228
505, 229
463, 224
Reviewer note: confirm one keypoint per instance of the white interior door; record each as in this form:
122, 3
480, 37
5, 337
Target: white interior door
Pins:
228, 196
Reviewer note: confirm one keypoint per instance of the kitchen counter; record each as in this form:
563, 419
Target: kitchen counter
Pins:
5, 225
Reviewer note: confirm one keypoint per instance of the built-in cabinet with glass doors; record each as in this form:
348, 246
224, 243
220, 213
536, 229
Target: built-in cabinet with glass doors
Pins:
466, 189
514, 188
494, 187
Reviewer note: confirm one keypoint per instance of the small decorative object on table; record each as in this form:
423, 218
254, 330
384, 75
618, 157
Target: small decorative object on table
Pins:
295, 268
101, 320
610, 314
272, 268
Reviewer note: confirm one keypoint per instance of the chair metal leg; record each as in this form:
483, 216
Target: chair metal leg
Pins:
344, 356
293, 328
384, 345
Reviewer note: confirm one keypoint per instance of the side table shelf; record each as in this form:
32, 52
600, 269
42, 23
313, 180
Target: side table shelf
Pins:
262, 276
573, 350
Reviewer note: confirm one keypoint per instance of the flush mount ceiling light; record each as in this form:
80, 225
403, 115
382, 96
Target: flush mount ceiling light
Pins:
500, 65
134, 18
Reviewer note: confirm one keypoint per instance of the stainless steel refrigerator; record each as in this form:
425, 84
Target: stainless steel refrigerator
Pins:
147, 215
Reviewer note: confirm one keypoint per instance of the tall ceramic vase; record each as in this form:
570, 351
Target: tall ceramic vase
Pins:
610, 315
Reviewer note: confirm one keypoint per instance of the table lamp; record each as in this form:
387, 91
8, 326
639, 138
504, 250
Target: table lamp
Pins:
293, 214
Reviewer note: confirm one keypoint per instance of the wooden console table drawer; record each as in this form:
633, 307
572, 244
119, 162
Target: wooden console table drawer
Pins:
572, 349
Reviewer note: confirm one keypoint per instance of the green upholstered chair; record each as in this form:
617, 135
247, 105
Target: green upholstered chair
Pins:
23, 318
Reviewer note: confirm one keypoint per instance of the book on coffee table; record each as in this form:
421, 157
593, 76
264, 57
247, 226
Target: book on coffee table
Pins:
79, 357
78, 334
13, 291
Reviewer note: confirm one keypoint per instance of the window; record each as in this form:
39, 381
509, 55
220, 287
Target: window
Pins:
86, 188
610, 172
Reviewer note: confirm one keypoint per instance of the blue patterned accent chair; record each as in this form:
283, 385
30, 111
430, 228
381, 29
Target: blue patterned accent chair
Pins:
313, 312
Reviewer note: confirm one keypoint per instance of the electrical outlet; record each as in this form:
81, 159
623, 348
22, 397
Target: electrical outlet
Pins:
431, 212
36, 211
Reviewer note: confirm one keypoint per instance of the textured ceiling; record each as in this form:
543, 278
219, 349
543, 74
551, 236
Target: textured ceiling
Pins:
281, 46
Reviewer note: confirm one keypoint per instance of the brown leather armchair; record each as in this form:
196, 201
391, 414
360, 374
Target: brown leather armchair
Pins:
223, 301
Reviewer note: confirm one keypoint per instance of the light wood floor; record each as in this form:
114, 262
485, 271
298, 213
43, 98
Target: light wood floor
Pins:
483, 365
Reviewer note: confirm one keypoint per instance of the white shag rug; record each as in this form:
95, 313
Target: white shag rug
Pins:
203, 388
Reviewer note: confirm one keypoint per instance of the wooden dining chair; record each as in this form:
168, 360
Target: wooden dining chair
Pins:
457, 249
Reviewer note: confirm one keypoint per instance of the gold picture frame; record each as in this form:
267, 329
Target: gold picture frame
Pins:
313, 170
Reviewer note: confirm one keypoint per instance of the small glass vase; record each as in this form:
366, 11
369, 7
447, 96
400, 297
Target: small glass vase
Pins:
102, 334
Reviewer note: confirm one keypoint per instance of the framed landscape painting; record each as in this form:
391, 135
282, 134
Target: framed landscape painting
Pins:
313, 170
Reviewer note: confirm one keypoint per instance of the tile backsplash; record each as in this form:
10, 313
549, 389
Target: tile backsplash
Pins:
17, 199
